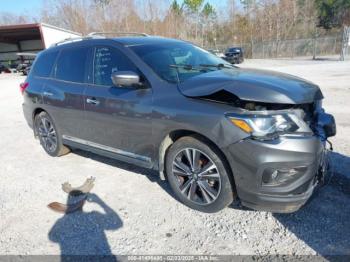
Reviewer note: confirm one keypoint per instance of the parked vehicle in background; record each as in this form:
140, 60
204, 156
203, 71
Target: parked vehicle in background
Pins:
22, 67
4, 69
216, 132
13, 68
26, 70
234, 55
217, 52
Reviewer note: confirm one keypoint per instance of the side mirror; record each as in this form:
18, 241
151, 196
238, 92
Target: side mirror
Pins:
125, 79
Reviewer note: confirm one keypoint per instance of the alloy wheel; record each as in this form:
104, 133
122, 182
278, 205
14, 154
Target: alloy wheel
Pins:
47, 134
197, 175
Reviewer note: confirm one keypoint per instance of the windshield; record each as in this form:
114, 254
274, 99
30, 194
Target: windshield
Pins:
179, 61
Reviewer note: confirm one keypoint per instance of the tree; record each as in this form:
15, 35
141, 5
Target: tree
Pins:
208, 10
176, 8
193, 7
262, 24
175, 17
102, 2
208, 15
333, 13
9, 18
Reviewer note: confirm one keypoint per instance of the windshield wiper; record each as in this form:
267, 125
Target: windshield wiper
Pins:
191, 67
219, 66
186, 67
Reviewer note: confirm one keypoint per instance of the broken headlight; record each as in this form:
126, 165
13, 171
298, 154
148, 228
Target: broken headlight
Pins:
270, 126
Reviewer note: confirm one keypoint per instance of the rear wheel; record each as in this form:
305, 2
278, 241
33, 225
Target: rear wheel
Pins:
48, 135
198, 175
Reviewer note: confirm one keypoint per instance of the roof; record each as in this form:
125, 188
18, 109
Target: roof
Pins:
126, 41
60, 29
14, 33
21, 32
145, 40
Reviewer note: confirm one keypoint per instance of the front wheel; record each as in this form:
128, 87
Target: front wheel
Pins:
198, 176
48, 135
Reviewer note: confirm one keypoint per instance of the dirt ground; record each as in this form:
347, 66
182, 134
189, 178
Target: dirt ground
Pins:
133, 212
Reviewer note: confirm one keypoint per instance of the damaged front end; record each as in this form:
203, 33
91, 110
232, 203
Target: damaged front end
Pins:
286, 153
283, 156
271, 121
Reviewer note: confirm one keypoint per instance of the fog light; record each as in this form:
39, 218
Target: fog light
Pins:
275, 177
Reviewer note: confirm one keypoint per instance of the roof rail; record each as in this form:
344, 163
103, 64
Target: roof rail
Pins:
117, 33
75, 39
96, 35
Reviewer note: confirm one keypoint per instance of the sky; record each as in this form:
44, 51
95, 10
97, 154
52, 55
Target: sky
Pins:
22, 6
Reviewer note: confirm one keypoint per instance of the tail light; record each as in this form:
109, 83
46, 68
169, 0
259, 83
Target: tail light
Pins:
23, 86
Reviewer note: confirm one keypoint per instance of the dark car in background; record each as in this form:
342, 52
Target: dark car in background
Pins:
234, 55
23, 67
215, 132
26, 70
217, 52
13, 67
2, 68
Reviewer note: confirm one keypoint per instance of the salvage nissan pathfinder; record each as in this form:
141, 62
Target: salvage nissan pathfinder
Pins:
214, 131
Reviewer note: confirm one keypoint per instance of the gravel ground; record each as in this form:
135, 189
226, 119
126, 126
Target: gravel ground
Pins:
133, 212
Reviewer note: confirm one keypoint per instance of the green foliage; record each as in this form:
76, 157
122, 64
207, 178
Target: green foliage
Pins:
208, 10
332, 13
247, 3
193, 5
175, 7
102, 2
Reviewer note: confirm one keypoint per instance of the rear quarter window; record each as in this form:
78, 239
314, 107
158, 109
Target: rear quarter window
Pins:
44, 63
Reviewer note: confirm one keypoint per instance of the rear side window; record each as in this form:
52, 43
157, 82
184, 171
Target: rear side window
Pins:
71, 65
44, 63
108, 60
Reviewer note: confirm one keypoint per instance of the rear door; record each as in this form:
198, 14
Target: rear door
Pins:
118, 118
63, 94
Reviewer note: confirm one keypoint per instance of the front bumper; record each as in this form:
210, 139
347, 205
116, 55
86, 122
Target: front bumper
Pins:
251, 160
233, 59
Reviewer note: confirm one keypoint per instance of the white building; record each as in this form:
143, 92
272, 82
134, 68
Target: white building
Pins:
29, 38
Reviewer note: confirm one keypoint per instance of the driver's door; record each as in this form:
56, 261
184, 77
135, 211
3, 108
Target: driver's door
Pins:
118, 119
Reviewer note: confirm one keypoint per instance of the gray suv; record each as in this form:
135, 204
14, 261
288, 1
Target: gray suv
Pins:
214, 131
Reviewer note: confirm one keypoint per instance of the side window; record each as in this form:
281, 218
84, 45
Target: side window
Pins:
71, 65
43, 64
108, 60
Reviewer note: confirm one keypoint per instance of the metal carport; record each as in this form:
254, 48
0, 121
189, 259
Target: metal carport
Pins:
28, 38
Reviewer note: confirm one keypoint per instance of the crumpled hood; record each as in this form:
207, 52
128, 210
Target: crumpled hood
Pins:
253, 85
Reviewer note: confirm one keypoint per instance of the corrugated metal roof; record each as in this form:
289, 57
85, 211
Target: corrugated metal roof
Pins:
21, 32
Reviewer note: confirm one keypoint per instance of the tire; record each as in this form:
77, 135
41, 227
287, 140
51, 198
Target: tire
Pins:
208, 191
49, 136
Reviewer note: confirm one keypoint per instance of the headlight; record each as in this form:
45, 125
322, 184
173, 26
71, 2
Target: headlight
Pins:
270, 126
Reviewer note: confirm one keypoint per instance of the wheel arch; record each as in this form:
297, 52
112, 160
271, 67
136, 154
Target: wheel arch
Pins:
171, 137
36, 111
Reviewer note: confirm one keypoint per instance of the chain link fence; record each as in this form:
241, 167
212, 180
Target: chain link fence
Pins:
309, 47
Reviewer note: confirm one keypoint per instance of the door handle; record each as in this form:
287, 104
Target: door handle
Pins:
92, 101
